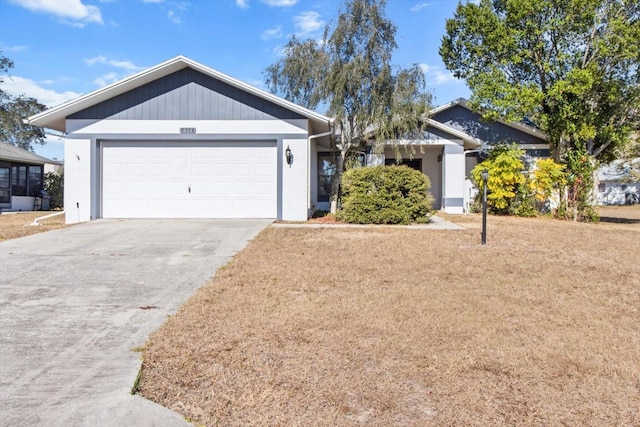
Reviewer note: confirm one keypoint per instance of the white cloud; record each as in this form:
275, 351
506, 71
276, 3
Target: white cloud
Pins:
173, 17
106, 79
244, 4
175, 8
278, 51
112, 76
307, 22
436, 75
272, 33
125, 65
72, 12
13, 48
280, 3
17, 86
419, 6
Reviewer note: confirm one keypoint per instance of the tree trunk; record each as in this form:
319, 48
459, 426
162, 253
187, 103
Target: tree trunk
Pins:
335, 182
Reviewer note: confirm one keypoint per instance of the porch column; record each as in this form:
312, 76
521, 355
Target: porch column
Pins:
453, 175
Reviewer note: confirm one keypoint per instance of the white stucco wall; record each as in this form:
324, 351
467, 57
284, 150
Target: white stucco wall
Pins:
77, 180
431, 166
22, 203
453, 179
172, 127
294, 179
82, 156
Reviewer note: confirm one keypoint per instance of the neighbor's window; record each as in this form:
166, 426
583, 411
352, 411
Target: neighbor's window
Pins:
4, 185
326, 170
26, 180
4, 178
19, 180
34, 181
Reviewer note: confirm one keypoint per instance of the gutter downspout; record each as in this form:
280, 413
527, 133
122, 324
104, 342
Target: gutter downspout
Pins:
318, 135
35, 221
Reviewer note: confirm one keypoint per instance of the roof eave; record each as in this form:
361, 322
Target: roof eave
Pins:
465, 137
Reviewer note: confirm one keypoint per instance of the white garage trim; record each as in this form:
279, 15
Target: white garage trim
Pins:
188, 179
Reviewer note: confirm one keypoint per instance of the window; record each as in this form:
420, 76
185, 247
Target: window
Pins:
326, 170
19, 180
413, 164
26, 180
5, 185
34, 181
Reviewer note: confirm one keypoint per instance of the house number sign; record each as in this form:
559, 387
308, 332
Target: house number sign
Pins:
190, 131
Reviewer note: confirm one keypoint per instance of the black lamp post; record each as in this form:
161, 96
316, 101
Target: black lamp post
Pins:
485, 178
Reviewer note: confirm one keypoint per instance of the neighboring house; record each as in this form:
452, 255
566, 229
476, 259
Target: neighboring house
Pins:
614, 183
54, 166
181, 140
21, 178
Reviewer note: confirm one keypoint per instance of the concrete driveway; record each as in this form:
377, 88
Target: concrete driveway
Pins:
76, 302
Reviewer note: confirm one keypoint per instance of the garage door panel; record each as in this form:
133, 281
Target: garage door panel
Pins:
227, 180
222, 170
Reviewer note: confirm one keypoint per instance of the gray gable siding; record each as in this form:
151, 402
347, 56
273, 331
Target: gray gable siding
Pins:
434, 135
186, 95
461, 118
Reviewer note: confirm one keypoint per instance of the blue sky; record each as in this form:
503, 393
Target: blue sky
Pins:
66, 48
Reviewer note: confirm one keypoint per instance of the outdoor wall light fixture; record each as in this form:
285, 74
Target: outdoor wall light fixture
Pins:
288, 155
485, 177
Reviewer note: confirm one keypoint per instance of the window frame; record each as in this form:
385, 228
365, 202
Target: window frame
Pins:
5, 191
322, 194
24, 181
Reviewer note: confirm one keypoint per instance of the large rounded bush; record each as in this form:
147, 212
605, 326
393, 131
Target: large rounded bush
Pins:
385, 195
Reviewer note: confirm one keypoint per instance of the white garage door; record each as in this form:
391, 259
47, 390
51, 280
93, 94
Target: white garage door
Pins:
189, 180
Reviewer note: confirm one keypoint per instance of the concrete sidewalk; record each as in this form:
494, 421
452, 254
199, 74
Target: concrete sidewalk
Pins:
436, 223
75, 304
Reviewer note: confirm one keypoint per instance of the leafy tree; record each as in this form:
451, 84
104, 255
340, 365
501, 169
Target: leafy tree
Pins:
54, 186
350, 74
12, 112
580, 178
629, 164
569, 65
513, 189
549, 181
505, 165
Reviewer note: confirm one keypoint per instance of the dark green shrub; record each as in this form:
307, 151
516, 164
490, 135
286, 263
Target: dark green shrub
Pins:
54, 185
385, 195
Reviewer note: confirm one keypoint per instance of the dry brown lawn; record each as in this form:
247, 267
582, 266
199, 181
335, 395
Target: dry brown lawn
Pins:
347, 327
14, 225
